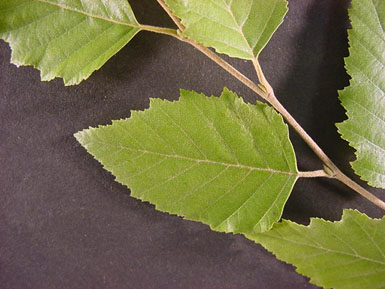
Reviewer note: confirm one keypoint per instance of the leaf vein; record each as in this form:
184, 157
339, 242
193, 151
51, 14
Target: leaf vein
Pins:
211, 124
194, 190
227, 192
325, 249
201, 160
88, 14
369, 237
169, 179
189, 138
246, 201
368, 110
377, 16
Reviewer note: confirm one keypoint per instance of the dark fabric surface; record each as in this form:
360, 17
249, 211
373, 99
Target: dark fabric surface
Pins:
65, 223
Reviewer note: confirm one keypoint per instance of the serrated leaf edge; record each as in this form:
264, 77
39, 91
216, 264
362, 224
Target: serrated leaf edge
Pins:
346, 213
340, 95
78, 136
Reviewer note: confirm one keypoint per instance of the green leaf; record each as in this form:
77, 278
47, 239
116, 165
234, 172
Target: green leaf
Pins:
364, 99
66, 38
345, 254
238, 28
219, 161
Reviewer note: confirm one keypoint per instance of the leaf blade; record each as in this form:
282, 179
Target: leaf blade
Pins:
239, 28
364, 99
68, 39
346, 254
206, 159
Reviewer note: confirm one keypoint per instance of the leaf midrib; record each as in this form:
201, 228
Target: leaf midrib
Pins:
240, 28
240, 166
89, 14
325, 249
377, 15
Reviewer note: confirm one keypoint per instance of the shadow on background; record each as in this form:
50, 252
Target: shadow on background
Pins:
310, 93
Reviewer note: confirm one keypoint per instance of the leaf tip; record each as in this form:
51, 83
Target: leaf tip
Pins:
81, 136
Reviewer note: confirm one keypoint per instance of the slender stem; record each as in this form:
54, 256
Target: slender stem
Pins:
314, 174
226, 66
267, 93
261, 76
212, 55
304, 135
172, 16
356, 187
336, 172
161, 30
270, 97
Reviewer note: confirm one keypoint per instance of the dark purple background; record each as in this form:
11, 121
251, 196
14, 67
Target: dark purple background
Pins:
65, 223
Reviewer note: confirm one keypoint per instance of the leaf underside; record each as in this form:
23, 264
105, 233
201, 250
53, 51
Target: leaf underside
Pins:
66, 38
238, 28
349, 254
364, 99
219, 161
